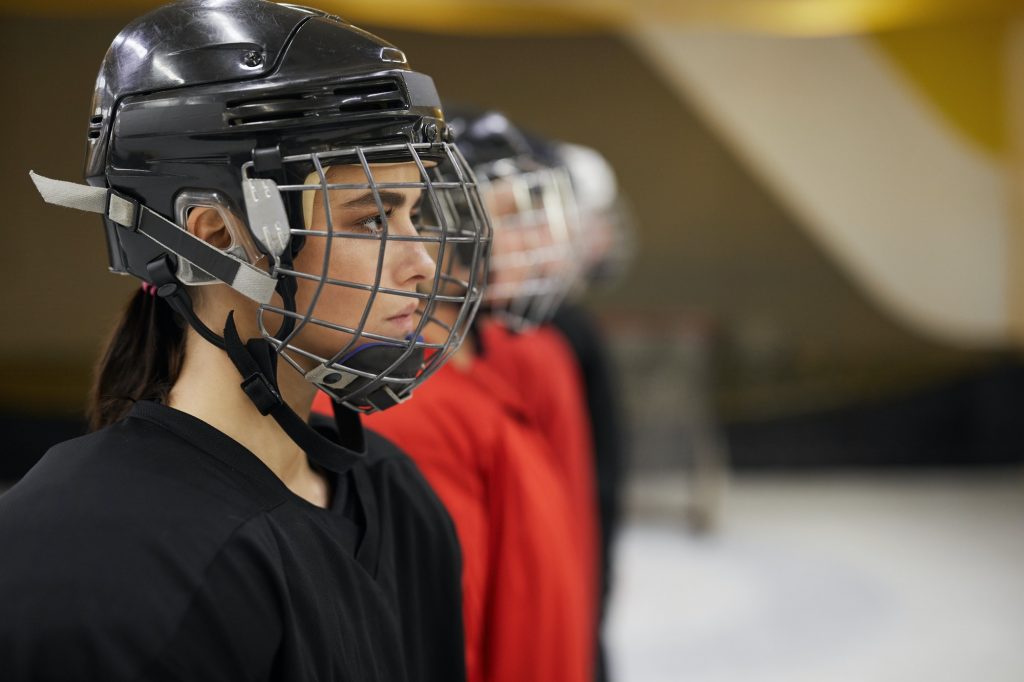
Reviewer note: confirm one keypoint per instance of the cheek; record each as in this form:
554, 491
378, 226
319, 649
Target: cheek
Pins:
508, 241
352, 260
537, 236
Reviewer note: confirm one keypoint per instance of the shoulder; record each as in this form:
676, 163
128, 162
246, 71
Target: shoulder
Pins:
548, 340
532, 354
128, 515
130, 487
116, 594
549, 366
124, 477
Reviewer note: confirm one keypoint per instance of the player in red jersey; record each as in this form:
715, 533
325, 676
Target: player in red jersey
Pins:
536, 358
542, 368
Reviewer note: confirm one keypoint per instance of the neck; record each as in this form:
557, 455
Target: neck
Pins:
208, 388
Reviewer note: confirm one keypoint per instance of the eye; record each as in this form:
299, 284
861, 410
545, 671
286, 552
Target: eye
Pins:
373, 224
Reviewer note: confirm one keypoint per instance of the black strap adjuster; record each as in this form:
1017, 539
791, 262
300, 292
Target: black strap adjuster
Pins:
262, 394
122, 209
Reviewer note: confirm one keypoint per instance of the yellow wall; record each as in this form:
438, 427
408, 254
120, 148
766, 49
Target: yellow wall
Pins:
961, 69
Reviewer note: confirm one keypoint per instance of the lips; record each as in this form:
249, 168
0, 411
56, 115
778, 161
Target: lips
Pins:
407, 311
404, 319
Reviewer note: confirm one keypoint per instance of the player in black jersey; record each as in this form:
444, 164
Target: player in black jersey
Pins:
285, 188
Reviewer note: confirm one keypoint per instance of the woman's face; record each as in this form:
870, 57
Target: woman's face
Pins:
525, 252
509, 267
354, 258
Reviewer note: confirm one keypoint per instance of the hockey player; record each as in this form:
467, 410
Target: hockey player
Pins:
263, 170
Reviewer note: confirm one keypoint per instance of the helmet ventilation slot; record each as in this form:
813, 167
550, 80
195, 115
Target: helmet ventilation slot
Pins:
327, 102
95, 127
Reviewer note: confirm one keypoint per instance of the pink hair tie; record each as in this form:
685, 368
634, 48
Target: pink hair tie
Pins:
149, 288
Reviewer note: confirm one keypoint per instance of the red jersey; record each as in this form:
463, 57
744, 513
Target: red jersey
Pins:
527, 614
540, 364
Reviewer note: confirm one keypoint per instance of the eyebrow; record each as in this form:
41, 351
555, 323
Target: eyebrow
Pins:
389, 199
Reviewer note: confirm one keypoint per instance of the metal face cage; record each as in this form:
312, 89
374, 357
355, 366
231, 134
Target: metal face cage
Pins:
381, 226
536, 253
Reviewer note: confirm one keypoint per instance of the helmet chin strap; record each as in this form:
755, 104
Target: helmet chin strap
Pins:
370, 358
171, 290
256, 361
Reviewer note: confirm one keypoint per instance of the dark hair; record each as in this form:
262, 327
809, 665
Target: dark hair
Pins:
142, 360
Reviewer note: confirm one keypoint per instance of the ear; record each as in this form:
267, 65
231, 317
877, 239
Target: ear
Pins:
207, 224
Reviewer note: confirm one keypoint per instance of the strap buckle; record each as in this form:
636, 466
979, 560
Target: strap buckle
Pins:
261, 393
123, 210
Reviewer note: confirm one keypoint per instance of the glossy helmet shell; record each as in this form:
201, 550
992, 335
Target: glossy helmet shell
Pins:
191, 91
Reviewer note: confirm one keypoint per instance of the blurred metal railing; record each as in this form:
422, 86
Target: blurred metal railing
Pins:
677, 458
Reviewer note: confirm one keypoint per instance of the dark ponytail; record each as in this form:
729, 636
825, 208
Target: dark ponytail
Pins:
141, 362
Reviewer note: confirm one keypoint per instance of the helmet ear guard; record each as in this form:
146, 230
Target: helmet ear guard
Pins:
242, 245
267, 216
267, 234
264, 206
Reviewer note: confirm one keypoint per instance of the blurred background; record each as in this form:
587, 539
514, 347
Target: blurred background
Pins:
818, 337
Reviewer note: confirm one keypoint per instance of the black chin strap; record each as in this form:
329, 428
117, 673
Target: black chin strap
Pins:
286, 288
371, 393
161, 274
256, 361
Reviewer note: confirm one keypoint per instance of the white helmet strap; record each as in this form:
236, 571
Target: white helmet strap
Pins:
130, 214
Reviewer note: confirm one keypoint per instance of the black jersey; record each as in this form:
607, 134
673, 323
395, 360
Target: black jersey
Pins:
420, 560
159, 548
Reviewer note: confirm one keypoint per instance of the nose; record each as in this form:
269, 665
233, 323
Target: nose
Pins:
411, 263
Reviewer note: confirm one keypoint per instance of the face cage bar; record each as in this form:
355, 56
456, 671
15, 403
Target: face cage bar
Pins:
547, 217
447, 184
573, 270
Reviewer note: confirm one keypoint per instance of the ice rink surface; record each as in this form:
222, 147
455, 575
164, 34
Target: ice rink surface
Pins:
901, 577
